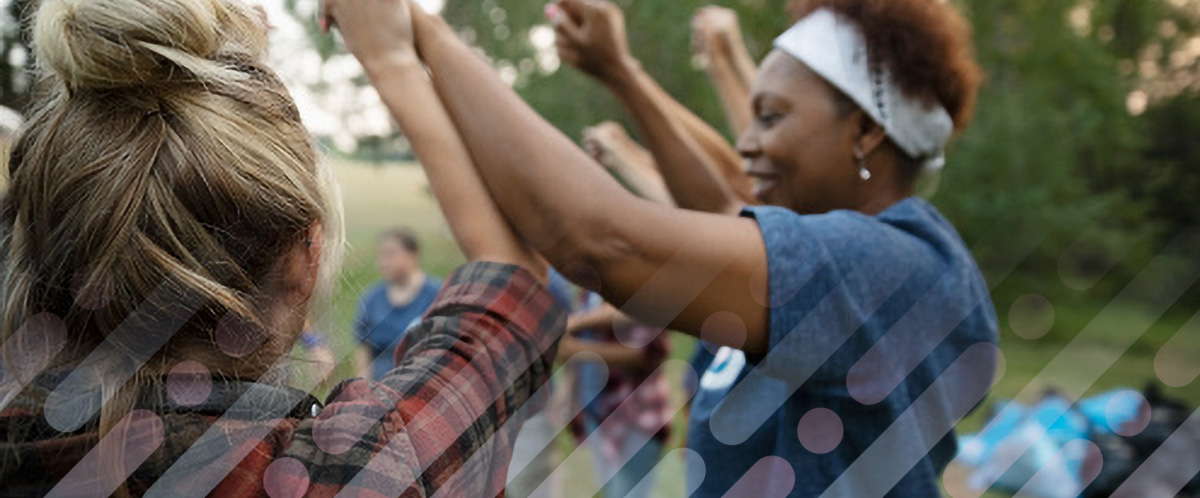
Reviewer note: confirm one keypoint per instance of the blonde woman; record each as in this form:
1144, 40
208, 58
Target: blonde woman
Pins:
171, 227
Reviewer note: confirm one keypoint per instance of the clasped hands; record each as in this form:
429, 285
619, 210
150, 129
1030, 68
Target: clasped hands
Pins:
591, 33
377, 31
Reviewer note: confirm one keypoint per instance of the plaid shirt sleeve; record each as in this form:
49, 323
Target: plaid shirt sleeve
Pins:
486, 345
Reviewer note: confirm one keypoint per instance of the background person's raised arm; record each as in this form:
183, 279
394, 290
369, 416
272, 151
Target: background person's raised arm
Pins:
611, 146
702, 171
717, 40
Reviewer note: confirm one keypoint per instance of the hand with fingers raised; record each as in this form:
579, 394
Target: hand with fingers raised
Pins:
591, 36
718, 44
712, 30
611, 146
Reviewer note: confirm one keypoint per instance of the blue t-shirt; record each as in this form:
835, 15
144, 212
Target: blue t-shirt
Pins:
561, 290
380, 326
898, 291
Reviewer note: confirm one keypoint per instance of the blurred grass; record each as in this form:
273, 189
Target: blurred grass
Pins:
378, 197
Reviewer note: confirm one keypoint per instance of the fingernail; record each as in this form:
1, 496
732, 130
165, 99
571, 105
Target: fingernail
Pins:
552, 11
324, 24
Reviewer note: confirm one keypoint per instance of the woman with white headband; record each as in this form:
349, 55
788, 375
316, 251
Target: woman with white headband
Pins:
855, 328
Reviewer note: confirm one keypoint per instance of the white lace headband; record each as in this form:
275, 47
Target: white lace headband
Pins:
834, 47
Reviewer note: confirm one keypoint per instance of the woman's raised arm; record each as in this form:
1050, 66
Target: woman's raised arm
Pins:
664, 266
475, 220
703, 172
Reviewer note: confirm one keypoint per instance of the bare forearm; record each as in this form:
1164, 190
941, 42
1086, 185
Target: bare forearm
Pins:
727, 160
614, 354
743, 63
601, 317
522, 156
734, 93
692, 174
474, 219
647, 186
362, 360
635, 166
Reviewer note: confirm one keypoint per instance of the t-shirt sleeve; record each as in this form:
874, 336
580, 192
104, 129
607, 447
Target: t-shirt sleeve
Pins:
828, 275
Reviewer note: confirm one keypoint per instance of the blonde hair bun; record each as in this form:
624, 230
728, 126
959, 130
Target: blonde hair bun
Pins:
122, 43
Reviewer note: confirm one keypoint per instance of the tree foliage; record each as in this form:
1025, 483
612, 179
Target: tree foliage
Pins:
15, 62
660, 37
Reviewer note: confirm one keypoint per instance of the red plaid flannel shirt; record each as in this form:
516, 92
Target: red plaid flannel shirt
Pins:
485, 347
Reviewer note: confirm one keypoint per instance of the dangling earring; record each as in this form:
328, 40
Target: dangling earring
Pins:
861, 159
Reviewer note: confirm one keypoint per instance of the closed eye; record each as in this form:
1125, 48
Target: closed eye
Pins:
769, 119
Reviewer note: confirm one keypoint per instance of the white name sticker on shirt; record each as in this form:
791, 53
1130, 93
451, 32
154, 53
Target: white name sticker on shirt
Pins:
724, 370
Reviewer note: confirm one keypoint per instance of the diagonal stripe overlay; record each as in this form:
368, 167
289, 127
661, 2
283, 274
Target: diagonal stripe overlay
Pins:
631, 404
78, 398
1155, 289
114, 458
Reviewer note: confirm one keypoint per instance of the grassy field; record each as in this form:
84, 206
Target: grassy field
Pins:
380, 197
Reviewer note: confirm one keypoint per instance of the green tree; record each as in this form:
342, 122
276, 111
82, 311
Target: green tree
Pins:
1169, 177
660, 37
1053, 129
1053, 108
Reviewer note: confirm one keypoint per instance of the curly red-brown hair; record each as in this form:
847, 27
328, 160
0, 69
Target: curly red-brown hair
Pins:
926, 44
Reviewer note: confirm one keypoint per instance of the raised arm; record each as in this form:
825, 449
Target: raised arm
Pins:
723, 155
613, 353
474, 219
717, 39
702, 171
487, 343
611, 146
664, 266
604, 316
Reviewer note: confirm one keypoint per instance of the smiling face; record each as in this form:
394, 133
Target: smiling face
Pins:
800, 147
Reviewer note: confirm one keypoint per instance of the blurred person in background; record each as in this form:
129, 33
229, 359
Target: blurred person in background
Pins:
315, 360
618, 453
532, 461
388, 308
625, 444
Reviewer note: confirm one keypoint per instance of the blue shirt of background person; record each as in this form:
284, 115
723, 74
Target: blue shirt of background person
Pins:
903, 279
381, 325
563, 292
389, 308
